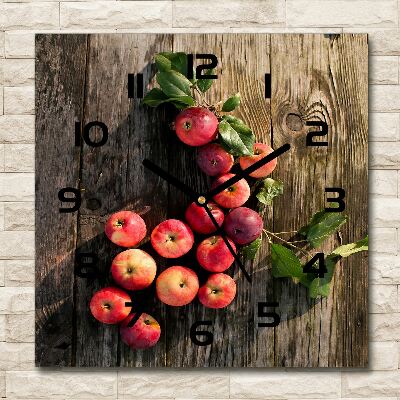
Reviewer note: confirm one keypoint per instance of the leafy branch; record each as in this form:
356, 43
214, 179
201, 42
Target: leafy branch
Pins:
181, 88
317, 278
177, 88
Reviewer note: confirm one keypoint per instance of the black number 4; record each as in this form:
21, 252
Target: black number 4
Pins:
208, 336
310, 267
264, 313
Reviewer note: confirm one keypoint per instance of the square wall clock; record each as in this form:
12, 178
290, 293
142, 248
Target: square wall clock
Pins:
201, 200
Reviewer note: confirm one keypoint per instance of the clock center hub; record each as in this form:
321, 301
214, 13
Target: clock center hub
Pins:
201, 200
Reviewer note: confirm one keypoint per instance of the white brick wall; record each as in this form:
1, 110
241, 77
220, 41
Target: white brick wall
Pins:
19, 20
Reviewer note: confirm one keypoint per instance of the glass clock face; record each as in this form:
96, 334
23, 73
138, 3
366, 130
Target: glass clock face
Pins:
201, 200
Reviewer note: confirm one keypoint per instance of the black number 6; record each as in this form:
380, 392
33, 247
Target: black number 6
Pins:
209, 337
77, 199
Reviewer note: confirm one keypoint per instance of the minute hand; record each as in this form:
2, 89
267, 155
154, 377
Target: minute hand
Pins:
246, 172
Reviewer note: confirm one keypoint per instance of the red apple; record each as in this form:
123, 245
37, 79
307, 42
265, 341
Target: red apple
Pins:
125, 228
214, 255
235, 196
243, 225
133, 269
108, 305
143, 334
199, 220
172, 238
196, 126
218, 292
261, 150
177, 286
213, 160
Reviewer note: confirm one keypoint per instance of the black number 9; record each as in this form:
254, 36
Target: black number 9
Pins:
77, 199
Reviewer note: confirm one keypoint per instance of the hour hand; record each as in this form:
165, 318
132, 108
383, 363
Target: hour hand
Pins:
171, 179
237, 259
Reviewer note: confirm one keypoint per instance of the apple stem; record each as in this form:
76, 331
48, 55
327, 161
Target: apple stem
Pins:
281, 233
285, 241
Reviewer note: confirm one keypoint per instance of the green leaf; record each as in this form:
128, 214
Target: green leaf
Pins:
173, 84
321, 286
249, 252
155, 97
175, 61
351, 248
317, 288
205, 84
236, 137
322, 225
231, 103
163, 63
285, 264
270, 188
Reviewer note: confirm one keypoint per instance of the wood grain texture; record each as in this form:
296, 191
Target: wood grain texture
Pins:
58, 104
84, 78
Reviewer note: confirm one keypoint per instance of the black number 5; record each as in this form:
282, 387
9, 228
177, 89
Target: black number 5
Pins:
77, 199
263, 313
209, 337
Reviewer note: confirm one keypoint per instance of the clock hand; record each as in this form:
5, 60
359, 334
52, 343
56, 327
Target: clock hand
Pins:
246, 172
138, 314
171, 179
200, 200
219, 231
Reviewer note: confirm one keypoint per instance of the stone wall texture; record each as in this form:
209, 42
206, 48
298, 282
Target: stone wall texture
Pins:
19, 21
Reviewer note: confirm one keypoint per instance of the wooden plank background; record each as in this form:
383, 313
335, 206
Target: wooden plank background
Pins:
84, 78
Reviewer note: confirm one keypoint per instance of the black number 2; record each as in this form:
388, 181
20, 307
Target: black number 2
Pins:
323, 132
